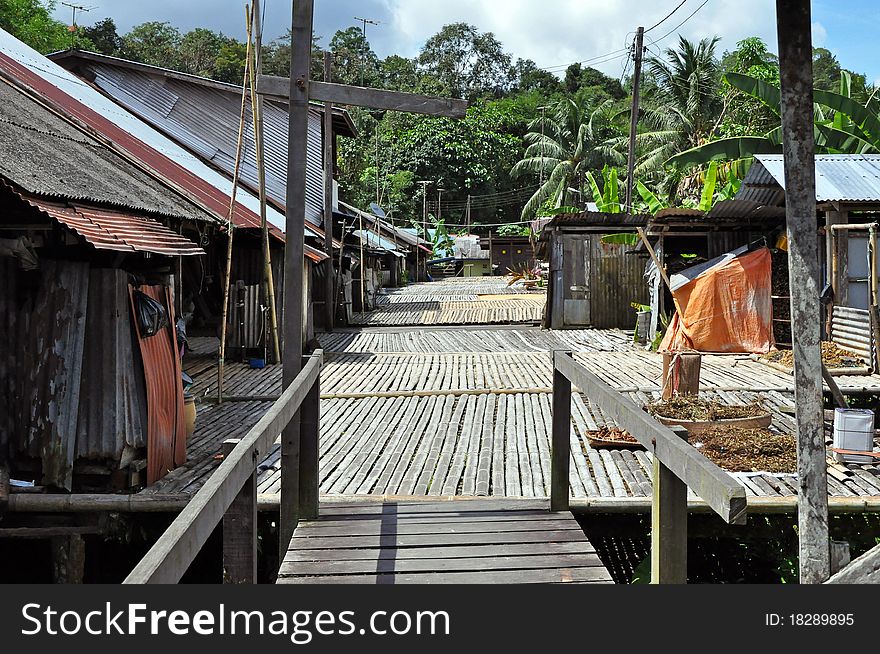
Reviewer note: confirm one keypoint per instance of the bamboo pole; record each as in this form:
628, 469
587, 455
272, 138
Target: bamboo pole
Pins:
257, 110
363, 262
229, 225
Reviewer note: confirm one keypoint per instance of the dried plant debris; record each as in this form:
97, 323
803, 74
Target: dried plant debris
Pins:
747, 450
689, 407
613, 435
833, 356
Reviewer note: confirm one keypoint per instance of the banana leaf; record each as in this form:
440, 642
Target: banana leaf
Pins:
654, 203
709, 187
766, 93
738, 147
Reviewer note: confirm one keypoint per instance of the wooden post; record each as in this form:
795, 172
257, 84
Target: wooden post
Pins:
308, 452
669, 514
634, 117
840, 555
4, 487
298, 126
240, 530
68, 559
329, 291
796, 75
681, 373
560, 451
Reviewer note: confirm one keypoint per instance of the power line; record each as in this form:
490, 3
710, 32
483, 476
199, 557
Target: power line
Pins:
666, 17
674, 29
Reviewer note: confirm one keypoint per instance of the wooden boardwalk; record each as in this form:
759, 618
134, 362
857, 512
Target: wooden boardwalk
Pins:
450, 542
402, 415
458, 301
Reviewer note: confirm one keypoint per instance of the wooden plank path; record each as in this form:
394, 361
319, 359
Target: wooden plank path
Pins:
451, 542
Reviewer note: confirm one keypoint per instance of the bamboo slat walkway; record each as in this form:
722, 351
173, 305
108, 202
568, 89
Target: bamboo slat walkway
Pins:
458, 541
396, 421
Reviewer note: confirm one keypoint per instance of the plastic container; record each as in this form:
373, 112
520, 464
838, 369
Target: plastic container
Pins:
853, 430
189, 414
257, 364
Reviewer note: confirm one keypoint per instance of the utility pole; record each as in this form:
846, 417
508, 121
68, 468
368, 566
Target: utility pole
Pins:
439, 210
425, 183
364, 44
469, 214
799, 149
634, 117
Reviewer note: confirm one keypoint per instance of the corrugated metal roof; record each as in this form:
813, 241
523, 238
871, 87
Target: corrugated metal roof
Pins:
45, 155
839, 178
373, 240
114, 230
84, 104
203, 116
408, 237
725, 210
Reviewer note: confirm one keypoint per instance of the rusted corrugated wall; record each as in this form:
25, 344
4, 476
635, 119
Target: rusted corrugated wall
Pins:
617, 279
166, 433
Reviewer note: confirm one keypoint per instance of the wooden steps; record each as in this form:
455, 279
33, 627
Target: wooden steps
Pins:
460, 541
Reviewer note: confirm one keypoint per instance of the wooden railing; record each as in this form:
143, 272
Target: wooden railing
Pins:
677, 466
230, 494
864, 570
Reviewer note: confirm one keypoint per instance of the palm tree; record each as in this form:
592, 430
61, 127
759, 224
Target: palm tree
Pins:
682, 111
562, 146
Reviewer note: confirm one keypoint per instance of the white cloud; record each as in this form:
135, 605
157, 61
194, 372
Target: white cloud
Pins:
557, 32
820, 35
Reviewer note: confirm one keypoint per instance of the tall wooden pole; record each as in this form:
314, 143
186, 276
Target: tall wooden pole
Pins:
634, 117
257, 110
796, 74
329, 294
298, 125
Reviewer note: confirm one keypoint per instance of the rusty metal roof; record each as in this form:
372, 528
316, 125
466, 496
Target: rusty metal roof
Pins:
178, 168
114, 230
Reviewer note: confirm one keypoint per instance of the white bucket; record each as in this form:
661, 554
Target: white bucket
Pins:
853, 430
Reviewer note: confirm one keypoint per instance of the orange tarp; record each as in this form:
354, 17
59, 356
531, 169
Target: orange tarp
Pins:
726, 308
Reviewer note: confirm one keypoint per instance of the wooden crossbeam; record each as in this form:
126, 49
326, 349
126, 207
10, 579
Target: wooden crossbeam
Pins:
342, 94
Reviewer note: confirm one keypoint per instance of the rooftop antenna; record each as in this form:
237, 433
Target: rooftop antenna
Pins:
365, 21
74, 8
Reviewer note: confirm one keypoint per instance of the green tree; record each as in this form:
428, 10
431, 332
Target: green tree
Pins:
104, 36
468, 63
31, 21
154, 43
567, 142
354, 61
743, 114
528, 77
276, 57
198, 51
682, 111
399, 74
578, 77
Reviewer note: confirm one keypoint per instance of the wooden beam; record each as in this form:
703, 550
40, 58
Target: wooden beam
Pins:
669, 523
718, 489
310, 436
68, 559
864, 570
240, 530
560, 450
169, 558
295, 209
329, 289
342, 94
793, 21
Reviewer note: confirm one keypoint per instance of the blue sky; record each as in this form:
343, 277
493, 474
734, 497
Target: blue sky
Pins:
527, 28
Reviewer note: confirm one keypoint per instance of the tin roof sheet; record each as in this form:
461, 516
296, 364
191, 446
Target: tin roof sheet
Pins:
181, 169
839, 178
114, 230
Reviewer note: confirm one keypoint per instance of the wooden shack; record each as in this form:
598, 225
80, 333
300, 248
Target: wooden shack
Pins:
592, 284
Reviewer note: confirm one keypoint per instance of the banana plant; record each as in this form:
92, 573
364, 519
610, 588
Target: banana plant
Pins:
608, 198
849, 127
